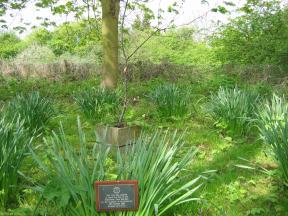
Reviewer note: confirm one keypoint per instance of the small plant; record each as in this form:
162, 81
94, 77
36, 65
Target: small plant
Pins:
273, 127
233, 109
33, 109
99, 104
14, 143
170, 101
151, 161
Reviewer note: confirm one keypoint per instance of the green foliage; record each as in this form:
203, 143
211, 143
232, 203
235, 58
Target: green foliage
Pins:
33, 109
217, 151
36, 54
40, 36
71, 175
74, 37
78, 38
235, 191
99, 104
10, 45
170, 101
13, 149
273, 126
233, 109
176, 46
258, 36
162, 182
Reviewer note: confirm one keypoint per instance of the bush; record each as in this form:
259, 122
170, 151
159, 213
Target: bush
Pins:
71, 174
33, 109
36, 54
273, 126
170, 101
10, 45
14, 143
99, 104
233, 109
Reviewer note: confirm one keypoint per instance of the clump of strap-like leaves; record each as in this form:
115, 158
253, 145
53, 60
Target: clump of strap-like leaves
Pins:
71, 173
98, 104
273, 126
14, 142
171, 101
33, 109
233, 109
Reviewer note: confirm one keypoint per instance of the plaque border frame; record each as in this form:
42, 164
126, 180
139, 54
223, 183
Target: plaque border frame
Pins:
124, 182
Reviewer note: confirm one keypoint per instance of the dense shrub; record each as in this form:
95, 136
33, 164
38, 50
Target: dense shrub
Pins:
10, 45
273, 126
99, 104
233, 109
162, 183
176, 46
33, 109
14, 143
71, 37
170, 101
244, 40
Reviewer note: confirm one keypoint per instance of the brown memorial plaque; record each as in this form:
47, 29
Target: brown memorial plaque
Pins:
117, 195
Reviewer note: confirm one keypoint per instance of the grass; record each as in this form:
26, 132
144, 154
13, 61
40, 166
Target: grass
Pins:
230, 190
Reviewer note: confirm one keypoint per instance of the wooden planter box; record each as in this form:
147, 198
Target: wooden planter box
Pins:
118, 137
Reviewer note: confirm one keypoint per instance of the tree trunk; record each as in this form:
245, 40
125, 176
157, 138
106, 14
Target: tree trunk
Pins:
110, 17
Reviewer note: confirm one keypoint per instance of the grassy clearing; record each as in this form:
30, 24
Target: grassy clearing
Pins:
229, 191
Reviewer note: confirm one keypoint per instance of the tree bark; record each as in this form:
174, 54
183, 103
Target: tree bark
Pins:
110, 18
